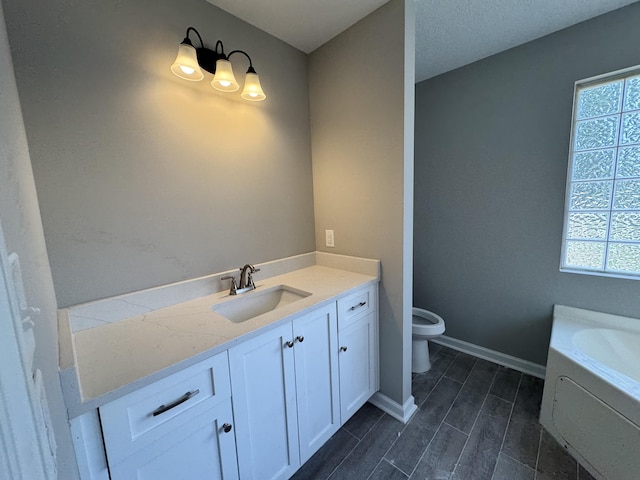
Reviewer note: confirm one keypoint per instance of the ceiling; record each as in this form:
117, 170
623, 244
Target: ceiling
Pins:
449, 33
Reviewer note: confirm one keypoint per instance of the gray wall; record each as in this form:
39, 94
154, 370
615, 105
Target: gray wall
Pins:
20, 218
146, 179
362, 166
492, 142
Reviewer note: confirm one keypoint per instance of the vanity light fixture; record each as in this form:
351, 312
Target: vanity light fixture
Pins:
191, 61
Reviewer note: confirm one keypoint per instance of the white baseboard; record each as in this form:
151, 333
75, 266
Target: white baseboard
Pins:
500, 358
397, 411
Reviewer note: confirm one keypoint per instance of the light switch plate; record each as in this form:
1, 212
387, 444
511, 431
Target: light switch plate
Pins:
329, 238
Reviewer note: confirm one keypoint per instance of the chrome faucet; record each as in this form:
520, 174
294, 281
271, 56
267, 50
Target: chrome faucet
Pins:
246, 280
246, 277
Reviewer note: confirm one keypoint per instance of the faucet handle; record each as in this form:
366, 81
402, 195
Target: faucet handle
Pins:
250, 282
234, 287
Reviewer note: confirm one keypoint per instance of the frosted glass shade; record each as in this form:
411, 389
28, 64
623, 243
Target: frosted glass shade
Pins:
186, 63
252, 89
224, 80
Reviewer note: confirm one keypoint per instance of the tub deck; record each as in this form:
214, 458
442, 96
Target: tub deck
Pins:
589, 405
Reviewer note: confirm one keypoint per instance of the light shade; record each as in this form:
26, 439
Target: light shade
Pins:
224, 80
186, 63
252, 89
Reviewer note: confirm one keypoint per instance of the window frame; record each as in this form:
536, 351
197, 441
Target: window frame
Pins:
579, 84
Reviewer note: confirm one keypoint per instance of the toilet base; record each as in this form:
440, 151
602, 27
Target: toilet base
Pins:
420, 362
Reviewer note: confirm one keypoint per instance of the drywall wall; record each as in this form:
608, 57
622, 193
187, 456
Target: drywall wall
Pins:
22, 227
361, 96
144, 178
492, 143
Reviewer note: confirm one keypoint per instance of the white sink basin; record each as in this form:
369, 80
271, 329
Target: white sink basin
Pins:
249, 305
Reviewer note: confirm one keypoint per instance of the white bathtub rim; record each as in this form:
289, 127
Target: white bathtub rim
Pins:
618, 391
617, 349
569, 320
616, 322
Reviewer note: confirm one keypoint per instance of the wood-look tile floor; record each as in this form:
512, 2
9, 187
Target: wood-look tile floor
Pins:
475, 421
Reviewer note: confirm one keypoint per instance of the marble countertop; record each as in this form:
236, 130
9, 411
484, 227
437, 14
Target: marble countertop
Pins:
114, 359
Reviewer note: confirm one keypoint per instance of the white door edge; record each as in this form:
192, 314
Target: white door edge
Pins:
25, 448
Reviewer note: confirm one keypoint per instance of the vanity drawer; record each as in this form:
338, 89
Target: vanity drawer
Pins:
355, 305
134, 421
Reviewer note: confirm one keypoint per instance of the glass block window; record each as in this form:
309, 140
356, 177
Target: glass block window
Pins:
602, 213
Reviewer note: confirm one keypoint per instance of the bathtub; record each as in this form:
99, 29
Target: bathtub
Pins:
591, 400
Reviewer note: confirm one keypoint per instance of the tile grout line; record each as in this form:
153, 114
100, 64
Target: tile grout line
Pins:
354, 447
379, 463
398, 468
350, 434
390, 447
431, 352
455, 428
444, 422
430, 391
438, 377
376, 467
452, 404
365, 433
517, 461
437, 429
443, 417
382, 456
513, 405
442, 375
538, 455
395, 466
425, 450
474, 424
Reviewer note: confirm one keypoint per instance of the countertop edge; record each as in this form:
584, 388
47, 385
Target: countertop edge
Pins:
70, 380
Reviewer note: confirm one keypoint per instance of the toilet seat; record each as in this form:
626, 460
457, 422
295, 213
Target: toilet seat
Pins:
426, 324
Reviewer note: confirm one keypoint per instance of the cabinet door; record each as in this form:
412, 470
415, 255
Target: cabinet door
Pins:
203, 449
264, 404
316, 356
357, 365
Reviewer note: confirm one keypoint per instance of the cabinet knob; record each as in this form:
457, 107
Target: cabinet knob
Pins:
226, 427
288, 344
300, 338
343, 349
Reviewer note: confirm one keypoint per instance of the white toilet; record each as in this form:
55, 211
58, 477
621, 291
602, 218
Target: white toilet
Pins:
425, 325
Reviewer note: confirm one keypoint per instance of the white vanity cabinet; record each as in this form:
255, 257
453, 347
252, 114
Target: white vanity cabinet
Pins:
258, 410
178, 427
358, 346
285, 394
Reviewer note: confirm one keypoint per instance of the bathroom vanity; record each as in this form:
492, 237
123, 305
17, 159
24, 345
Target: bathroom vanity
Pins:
183, 390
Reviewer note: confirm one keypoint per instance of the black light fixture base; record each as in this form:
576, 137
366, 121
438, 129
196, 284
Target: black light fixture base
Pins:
207, 58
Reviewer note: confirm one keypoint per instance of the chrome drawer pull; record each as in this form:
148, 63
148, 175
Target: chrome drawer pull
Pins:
226, 427
288, 344
343, 349
300, 338
361, 304
163, 408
